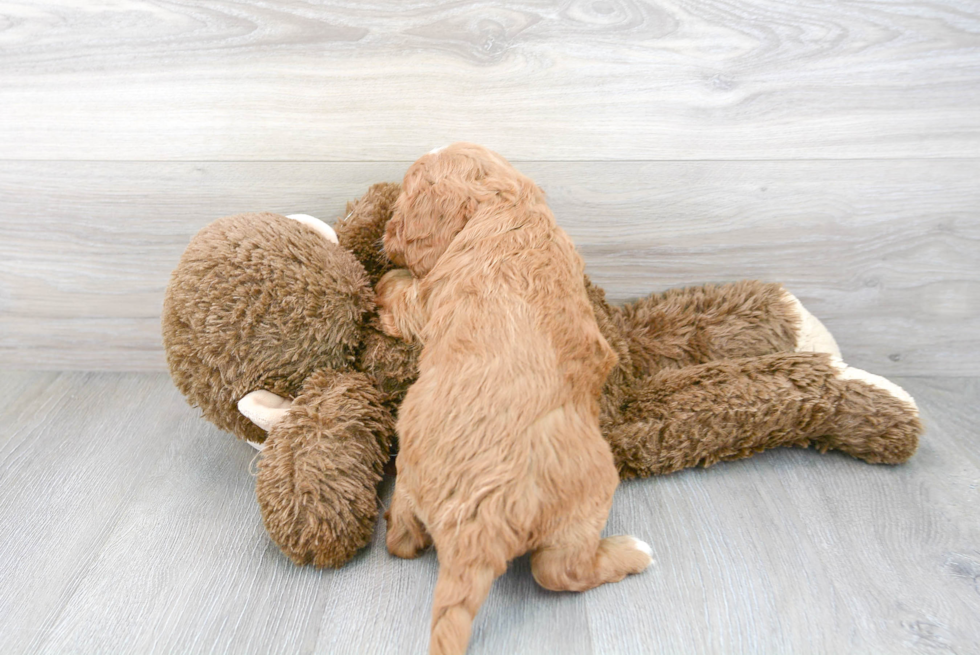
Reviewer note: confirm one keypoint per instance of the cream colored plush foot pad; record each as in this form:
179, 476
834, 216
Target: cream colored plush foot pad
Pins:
850, 373
813, 336
264, 408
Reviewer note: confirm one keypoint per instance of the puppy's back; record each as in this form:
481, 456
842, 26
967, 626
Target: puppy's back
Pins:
501, 449
514, 351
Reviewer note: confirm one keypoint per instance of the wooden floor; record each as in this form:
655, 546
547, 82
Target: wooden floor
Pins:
832, 146
131, 526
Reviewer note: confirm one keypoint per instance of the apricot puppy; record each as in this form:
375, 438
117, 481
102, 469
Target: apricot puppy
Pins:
500, 449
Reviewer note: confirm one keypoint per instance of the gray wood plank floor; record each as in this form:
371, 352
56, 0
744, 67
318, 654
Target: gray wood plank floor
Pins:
130, 526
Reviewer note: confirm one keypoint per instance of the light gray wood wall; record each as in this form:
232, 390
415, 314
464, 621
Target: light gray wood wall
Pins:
831, 146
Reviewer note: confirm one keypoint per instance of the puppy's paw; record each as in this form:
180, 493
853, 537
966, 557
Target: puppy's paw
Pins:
628, 555
390, 298
392, 281
404, 538
388, 325
643, 546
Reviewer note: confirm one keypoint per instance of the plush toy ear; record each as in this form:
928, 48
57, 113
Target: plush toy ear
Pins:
317, 225
264, 408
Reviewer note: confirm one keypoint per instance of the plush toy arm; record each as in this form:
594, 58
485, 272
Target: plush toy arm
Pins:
320, 467
696, 325
362, 228
730, 409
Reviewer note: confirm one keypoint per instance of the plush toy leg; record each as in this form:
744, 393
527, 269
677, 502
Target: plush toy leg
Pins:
696, 325
730, 409
320, 468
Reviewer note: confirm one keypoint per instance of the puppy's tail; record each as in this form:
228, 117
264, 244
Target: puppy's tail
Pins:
460, 591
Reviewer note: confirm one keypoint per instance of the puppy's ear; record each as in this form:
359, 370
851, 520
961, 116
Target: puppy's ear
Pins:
456, 201
427, 217
411, 219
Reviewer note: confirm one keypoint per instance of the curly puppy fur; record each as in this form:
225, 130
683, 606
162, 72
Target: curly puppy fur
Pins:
501, 452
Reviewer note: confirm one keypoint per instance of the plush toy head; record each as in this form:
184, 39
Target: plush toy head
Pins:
270, 319
228, 328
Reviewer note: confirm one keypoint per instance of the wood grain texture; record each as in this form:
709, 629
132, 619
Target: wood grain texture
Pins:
536, 79
130, 526
885, 252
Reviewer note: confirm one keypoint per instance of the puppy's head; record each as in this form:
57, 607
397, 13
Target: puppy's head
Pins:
441, 193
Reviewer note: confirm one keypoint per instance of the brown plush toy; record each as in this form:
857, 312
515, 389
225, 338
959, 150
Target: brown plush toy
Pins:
270, 328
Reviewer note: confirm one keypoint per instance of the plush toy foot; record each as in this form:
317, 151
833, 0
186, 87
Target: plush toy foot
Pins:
729, 409
320, 468
813, 337
876, 419
850, 373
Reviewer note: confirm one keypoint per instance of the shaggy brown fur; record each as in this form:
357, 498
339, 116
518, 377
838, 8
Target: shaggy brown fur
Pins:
317, 476
733, 408
361, 232
500, 449
725, 384
228, 331
262, 302
742, 319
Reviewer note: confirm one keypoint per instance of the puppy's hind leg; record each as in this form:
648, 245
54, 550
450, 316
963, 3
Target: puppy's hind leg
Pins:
575, 559
589, 563
406, 536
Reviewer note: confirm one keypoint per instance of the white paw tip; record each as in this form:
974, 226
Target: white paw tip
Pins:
643, 546
317, 225
846, 372
255, 445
